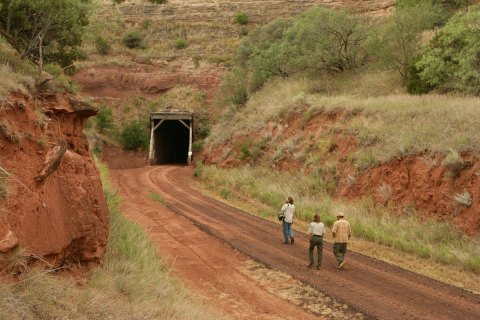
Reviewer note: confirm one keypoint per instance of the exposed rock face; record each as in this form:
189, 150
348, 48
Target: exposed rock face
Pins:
63, 215
117, 82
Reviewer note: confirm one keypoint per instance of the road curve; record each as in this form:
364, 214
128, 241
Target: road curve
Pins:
375, 288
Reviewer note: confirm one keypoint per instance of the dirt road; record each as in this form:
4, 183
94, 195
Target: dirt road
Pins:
376, 289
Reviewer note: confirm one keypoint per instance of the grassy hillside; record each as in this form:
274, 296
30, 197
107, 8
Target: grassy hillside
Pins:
385, 127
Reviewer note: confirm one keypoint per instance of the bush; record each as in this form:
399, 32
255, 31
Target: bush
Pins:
452, 58
181, 43
158, 1
104, 119
134, 40
196, 60
134, 135
241, 18
102, 45
415, 84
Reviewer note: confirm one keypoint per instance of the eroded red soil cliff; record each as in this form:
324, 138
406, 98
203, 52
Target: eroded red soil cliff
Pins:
52, 205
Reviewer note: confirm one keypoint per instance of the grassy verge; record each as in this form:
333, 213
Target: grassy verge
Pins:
132, 283
426, 240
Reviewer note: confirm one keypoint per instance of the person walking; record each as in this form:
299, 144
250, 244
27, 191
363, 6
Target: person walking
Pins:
315, 231
341, 232
288, 209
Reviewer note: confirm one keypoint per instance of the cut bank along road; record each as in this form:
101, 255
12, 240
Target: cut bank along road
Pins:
375, 288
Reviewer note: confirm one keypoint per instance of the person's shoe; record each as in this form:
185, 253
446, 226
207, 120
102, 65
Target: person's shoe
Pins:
341, 264
310, 266
292, 240
284, 242
318, 267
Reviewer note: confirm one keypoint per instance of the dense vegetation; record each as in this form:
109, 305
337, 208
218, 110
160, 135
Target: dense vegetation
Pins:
323, 42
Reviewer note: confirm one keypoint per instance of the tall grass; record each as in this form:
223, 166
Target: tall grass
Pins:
132, 283
407, 233
385, 127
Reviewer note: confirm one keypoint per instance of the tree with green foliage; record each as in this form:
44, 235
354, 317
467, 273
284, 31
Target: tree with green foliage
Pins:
452, 59
398, 44
44, 31
317, 41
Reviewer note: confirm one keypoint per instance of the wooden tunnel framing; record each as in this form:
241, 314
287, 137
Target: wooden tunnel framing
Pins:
171, 137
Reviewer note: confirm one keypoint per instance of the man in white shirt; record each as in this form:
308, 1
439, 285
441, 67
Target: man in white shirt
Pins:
315, 231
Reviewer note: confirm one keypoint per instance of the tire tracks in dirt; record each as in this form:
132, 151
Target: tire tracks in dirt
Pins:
375, 288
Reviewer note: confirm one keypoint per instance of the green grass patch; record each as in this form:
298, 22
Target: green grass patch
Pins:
157, 198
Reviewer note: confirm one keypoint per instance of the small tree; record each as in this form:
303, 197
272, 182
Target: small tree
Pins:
399, 41
44, 31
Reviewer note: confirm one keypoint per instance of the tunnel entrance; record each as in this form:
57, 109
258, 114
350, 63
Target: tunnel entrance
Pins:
171, 137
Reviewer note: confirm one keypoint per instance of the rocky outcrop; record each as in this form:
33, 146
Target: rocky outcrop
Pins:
53, 205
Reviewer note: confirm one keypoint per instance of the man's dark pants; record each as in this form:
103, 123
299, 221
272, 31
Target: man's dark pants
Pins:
339, 250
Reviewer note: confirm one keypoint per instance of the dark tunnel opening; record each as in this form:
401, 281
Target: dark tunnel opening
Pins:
171, 142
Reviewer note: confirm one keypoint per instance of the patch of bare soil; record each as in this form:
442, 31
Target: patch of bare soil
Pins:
373, 288
117, 158
120, 83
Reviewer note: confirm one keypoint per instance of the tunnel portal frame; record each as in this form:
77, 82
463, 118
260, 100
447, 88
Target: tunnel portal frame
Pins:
158, 118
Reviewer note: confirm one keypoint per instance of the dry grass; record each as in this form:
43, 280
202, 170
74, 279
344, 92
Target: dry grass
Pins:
385, 127
132, 283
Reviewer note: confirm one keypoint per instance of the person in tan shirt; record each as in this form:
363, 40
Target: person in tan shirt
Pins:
341, 232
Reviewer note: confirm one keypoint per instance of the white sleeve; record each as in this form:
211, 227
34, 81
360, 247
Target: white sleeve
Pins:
310, 229
284, 208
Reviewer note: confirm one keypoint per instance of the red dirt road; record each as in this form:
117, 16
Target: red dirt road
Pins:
369, 286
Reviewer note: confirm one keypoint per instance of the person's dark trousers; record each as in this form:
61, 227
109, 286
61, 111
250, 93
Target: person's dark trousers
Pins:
316, 241
339, 250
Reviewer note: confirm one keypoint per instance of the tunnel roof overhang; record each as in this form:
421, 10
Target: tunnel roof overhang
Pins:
171, 115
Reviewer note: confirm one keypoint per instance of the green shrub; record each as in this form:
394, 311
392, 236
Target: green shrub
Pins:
452, 58
104, 119
415, 84
134, 40
241, 18
134, 135
181, 43
158, 1
146, 23
196, 60
198, 145
102, 45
